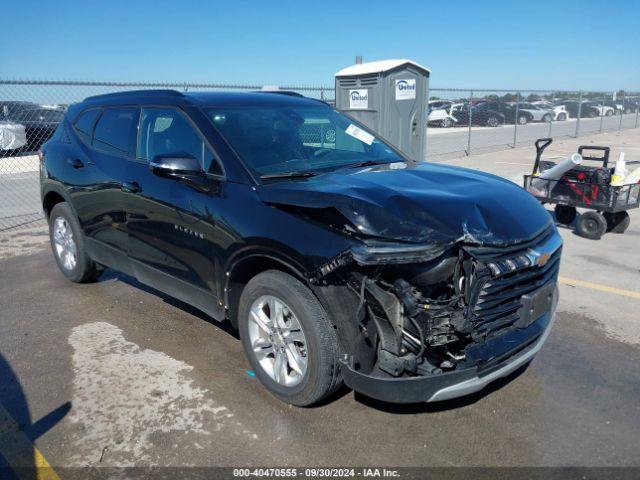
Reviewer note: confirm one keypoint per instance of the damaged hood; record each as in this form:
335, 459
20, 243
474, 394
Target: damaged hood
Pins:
423, 203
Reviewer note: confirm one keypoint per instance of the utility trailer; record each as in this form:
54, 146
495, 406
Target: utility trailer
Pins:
584, 186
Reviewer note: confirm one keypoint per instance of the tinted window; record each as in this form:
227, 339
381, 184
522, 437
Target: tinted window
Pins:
84, 124
273, 140
166, 131
115, 130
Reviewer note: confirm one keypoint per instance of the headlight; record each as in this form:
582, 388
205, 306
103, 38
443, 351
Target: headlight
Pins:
390, 253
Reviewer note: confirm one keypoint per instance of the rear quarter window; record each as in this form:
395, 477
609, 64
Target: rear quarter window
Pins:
84, 124
115, 131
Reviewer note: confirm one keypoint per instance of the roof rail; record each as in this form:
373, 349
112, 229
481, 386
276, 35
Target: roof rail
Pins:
137, 93
281, 92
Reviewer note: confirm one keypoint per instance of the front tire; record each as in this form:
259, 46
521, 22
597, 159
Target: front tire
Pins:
562, 117
546, 118
68, 246
288, 339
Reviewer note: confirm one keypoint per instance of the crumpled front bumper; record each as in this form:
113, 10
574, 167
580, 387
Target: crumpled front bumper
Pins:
521, 346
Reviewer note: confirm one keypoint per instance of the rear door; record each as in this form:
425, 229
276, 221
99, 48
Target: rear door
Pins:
96, 172
172, 224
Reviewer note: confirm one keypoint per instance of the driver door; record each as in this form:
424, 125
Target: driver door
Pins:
171, 224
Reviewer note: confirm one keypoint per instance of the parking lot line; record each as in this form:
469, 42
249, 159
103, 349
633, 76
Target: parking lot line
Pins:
20, 453
602, 288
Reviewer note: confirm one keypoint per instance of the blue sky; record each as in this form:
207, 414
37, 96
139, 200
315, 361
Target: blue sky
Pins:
529, 44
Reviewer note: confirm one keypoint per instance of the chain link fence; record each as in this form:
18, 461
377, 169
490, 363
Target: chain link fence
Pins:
475, 121
461, 122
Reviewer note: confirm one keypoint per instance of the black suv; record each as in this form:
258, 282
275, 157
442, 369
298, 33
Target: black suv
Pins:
336, 257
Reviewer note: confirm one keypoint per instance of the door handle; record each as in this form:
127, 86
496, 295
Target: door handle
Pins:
75, 163
131, 187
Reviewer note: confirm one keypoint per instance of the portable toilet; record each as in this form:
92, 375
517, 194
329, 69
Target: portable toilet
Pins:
390, 97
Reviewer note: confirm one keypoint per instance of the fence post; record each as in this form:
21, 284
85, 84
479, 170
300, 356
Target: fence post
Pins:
469, 131
637, 113
579, 114
621, 115
550, 124
604, 99
515, 128
322, 94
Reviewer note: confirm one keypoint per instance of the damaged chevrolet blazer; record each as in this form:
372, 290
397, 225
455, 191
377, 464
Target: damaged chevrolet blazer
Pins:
338, 259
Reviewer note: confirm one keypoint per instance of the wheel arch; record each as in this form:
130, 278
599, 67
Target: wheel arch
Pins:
242, 269
51, 197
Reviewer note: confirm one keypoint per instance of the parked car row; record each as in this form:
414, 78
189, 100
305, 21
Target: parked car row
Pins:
25, 126
444, 113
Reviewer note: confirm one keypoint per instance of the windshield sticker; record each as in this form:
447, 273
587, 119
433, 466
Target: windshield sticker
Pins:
397, 166
360, 134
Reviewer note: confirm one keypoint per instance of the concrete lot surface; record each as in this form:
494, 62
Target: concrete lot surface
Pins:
117, 374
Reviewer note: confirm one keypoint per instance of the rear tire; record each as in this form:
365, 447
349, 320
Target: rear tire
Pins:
67, 243
565, 214
522, 120
609, 113
591, 225
316, 349
546, 118
617, 222
493, 121
562, 117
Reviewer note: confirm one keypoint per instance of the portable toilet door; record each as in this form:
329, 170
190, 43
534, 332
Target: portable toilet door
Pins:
389, 97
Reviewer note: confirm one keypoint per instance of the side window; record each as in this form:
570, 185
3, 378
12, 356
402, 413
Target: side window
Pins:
115, 131
166, 131
85, 122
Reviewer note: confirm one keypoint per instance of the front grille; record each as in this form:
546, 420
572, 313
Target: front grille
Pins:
494, 302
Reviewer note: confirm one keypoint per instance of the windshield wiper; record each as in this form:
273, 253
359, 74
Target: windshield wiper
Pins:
366, 163
288, 175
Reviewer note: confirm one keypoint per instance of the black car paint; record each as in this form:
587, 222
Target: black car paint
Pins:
196, 241
420, 204
510, 112
479, 114
586, 111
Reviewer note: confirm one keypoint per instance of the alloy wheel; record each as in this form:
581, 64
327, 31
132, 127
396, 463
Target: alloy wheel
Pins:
64, 243
277, 340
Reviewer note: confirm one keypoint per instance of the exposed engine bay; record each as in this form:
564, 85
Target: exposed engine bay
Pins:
429, 317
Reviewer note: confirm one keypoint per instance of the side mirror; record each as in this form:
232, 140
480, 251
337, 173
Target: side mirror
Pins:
175, 165
180, 167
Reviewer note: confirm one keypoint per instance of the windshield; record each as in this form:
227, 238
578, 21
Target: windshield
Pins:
274, 140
